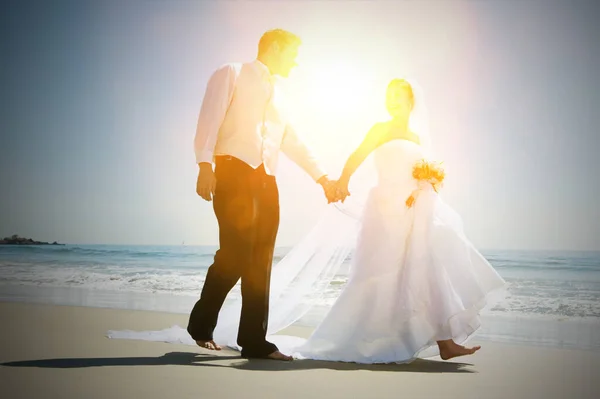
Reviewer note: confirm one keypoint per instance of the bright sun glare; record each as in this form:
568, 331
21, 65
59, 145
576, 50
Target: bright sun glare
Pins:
339, 87
335, 102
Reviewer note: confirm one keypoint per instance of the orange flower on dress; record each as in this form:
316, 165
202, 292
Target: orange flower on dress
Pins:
427, 172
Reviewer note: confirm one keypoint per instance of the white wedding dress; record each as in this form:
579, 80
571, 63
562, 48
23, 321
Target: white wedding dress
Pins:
414, 277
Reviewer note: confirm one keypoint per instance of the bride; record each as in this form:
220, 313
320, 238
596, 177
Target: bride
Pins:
415, 281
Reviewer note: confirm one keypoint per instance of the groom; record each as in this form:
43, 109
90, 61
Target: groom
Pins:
241, 129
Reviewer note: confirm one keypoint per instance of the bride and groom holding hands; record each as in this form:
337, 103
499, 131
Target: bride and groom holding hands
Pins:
415, 279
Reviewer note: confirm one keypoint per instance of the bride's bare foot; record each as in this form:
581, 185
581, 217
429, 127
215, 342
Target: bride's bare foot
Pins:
279, 356
208, 345
449, 349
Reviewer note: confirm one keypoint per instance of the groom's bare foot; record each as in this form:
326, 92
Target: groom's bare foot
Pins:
449, 349
208, 345
279, 356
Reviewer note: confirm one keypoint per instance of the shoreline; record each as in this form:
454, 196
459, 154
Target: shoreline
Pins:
539, 331
62, 351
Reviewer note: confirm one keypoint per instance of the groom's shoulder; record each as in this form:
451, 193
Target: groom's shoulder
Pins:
230, 67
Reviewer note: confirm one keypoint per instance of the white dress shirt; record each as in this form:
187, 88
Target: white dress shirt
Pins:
242, 115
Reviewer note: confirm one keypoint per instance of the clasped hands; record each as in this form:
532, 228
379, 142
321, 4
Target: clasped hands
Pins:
335, 190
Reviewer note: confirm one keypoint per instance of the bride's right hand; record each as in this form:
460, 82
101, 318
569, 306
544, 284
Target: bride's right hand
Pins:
341, 190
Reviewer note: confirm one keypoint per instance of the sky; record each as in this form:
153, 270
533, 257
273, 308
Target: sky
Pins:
100, 100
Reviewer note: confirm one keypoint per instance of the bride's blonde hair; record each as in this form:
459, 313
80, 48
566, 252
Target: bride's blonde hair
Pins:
405, 85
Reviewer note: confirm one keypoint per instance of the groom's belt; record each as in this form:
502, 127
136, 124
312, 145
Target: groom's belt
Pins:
231, 160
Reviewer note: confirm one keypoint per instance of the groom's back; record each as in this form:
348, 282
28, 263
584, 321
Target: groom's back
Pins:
254, 117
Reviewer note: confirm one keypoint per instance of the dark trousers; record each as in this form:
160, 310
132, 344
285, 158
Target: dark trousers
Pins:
246, 204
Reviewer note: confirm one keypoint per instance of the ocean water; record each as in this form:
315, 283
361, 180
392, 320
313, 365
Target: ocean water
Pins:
554, 297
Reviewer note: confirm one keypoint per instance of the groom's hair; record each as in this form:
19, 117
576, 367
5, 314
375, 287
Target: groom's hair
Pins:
280, 36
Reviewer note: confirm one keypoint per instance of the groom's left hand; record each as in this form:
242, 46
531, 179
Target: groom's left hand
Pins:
329, 188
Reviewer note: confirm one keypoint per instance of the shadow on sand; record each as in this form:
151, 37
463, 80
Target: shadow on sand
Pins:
205, 360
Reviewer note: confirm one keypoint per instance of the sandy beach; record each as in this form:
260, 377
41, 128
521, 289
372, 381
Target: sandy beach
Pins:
62, 351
